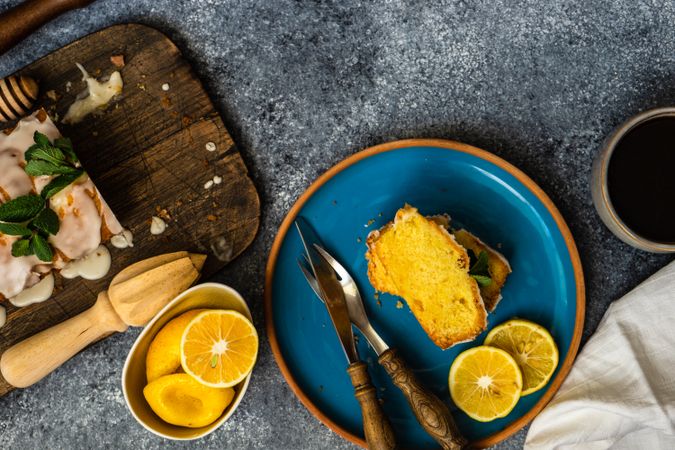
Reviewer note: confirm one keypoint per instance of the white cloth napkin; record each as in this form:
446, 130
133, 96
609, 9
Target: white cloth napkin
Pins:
620, 393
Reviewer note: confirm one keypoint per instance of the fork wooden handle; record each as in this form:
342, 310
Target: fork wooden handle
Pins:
376, 426
20, 21
431, 412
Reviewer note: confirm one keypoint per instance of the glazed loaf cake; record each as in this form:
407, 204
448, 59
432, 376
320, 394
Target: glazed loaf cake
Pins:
85, 219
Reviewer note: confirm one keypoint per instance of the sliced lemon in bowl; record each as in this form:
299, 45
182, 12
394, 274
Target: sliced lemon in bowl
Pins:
485, 383
533, 348
219, 348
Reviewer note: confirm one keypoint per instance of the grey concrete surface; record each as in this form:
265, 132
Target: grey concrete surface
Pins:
303, 84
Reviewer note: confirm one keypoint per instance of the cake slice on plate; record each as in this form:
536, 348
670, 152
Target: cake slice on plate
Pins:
416, 258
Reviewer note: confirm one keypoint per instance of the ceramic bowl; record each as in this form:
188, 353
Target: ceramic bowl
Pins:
207, 295
599, 189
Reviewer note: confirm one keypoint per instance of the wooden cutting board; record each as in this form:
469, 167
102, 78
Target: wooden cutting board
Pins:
146, 153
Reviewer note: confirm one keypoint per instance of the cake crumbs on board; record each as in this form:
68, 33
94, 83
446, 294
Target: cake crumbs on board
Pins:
157, 226
117, 61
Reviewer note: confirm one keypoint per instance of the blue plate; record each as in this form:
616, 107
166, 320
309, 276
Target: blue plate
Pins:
481, 192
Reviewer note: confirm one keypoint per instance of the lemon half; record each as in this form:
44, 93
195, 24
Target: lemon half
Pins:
219, 348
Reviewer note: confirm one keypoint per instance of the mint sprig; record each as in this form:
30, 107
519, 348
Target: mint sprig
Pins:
21, 248
58, 184
57, 158
47, 222
21, 209
41, 248
479, 268
14, 229
29, 216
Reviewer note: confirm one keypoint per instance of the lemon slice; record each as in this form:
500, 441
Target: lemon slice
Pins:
532, 347
485, 383
219, 348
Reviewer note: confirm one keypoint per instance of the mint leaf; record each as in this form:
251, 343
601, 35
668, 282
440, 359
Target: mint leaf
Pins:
479, 265
479, 268
47, 221
49, 154
21, 209
41, 248
14, 229
66, 146
482, 280
41, 139
37, 167
21, 248
59, 183
28, 155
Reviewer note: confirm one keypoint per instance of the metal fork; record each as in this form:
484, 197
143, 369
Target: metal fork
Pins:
430, 411
357, 313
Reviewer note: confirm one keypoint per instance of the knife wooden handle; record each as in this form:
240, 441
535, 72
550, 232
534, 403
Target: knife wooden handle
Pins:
25, 18
34, 358
376, 426
431, 412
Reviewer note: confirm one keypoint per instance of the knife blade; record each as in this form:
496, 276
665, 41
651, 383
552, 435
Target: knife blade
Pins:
330, 288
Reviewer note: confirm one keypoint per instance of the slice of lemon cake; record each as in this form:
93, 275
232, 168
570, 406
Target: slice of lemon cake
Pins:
417, 259
497, 265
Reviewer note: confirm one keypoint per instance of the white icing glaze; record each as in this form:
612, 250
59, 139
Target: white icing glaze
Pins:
14, 181
157, 226
35, 294
3, 316
92, 266
22, 136
80, 230
110, 220
123, 240
15, 273
97, 95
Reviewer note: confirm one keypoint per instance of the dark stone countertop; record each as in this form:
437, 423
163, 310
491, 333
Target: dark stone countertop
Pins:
303, 84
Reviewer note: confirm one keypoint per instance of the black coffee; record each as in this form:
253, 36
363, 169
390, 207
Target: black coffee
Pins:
641, 179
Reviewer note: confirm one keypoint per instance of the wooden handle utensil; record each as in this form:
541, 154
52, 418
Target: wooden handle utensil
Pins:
22, 20
135, 295
376, 426
430, 411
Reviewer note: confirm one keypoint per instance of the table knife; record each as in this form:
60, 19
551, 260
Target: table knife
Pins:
377, 429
